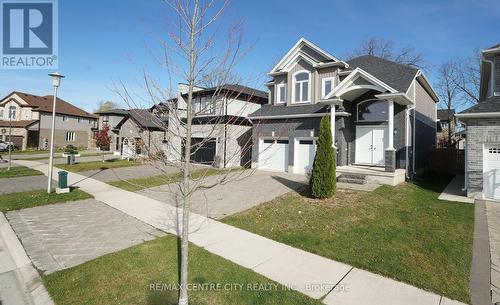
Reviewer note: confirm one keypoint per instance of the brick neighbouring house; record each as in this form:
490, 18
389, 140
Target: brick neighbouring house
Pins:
30, 116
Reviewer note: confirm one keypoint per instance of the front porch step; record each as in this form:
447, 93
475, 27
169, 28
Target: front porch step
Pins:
352, 178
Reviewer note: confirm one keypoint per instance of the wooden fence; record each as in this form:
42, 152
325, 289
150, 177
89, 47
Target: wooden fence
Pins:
446, 160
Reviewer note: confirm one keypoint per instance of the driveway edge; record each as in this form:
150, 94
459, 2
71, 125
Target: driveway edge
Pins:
480, 269
26, 274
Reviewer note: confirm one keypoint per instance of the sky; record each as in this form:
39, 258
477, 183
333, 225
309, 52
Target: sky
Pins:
105, 43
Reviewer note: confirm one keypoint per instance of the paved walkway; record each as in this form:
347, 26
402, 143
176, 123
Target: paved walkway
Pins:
454, 192
243, 191
310, 274
20, 283
123, 173
493, 216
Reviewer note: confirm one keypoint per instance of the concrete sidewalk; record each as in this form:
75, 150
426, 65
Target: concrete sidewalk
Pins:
20, 283
453, 191
313, 275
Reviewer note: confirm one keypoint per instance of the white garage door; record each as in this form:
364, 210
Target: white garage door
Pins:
273, 155
491, 171
304, 153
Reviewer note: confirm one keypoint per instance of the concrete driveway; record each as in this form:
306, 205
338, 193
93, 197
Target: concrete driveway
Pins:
243, 191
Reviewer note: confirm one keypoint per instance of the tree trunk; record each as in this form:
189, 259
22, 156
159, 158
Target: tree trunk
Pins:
185, 190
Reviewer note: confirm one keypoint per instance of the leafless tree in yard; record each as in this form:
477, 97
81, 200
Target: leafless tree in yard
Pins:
468, 77
198, 54
386, 49
448, 92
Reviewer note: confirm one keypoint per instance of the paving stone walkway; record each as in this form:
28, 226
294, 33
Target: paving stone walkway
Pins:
64, 235
23, 184
313, 275
493, 217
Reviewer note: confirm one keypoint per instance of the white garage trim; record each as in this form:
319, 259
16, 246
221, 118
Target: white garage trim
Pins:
491, 171
303, 158
273, 154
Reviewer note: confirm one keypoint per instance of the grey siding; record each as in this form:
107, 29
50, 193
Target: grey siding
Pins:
479, 132
497, 73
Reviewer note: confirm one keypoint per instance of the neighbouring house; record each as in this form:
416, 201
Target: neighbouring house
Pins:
446, 128
29, 117
133, 132
383, 115
482, 128
221, 132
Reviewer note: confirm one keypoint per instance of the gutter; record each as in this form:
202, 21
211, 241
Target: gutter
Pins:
478, 115
297, 116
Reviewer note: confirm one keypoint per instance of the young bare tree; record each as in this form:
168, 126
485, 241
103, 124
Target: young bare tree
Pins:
448, 92
386, 49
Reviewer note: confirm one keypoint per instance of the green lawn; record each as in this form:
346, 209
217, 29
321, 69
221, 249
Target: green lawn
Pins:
18, 171
58, 156
23, 200
138, 184
86, 166
403, 232
125, 277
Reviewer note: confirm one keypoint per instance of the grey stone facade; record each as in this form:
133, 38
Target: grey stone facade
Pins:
479, 132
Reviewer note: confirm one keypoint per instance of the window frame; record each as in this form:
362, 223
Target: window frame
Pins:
372, 100
278, 94
323, 83
294, 83
70, 136
12, 110
65, 118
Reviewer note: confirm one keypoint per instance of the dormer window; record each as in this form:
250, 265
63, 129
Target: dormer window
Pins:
326, 86
301, 87
280, 93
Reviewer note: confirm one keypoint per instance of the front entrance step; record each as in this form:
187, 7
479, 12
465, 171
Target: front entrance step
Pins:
352, 178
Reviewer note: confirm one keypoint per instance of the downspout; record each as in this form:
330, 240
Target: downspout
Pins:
407, 142
225, 131
413, 142
464, 189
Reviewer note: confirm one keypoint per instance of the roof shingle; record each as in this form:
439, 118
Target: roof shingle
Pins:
398, 76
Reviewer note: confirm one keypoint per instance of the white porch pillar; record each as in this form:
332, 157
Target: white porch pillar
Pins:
391, 125
332, 123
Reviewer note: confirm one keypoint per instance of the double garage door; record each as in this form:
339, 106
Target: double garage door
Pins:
491, 171
274, 155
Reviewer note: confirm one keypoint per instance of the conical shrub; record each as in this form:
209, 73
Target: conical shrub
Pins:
323, 179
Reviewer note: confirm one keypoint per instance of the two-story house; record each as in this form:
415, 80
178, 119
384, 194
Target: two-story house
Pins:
28, 118
221, 131
383, 114
482, 128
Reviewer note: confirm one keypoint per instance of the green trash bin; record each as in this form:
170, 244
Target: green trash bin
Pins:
63, 179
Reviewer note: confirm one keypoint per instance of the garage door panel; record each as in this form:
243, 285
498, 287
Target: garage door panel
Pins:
491, 171
273, 155
305, 150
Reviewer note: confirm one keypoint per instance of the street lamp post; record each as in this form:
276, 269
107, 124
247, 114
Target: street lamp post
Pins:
56, 81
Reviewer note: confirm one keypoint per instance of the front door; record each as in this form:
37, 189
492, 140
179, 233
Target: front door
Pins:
370, 145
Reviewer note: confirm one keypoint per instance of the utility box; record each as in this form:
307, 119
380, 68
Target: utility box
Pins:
63, 183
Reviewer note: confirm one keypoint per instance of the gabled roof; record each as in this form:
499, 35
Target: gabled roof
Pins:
398, 76
296, 52
490, 105
444, 114
44, 104
252, 94
142, 117
19, 124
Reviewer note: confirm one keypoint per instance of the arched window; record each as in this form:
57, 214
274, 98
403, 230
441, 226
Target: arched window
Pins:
373, 111
301, 87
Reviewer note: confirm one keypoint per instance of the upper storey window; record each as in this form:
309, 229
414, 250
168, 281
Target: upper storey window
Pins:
12, 112
281, 93
301, 87
326, 86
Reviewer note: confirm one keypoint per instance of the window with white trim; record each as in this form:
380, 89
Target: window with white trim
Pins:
65, 118
280, 93
70, 136
12, 112
326, 86
301, 87
1, 113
